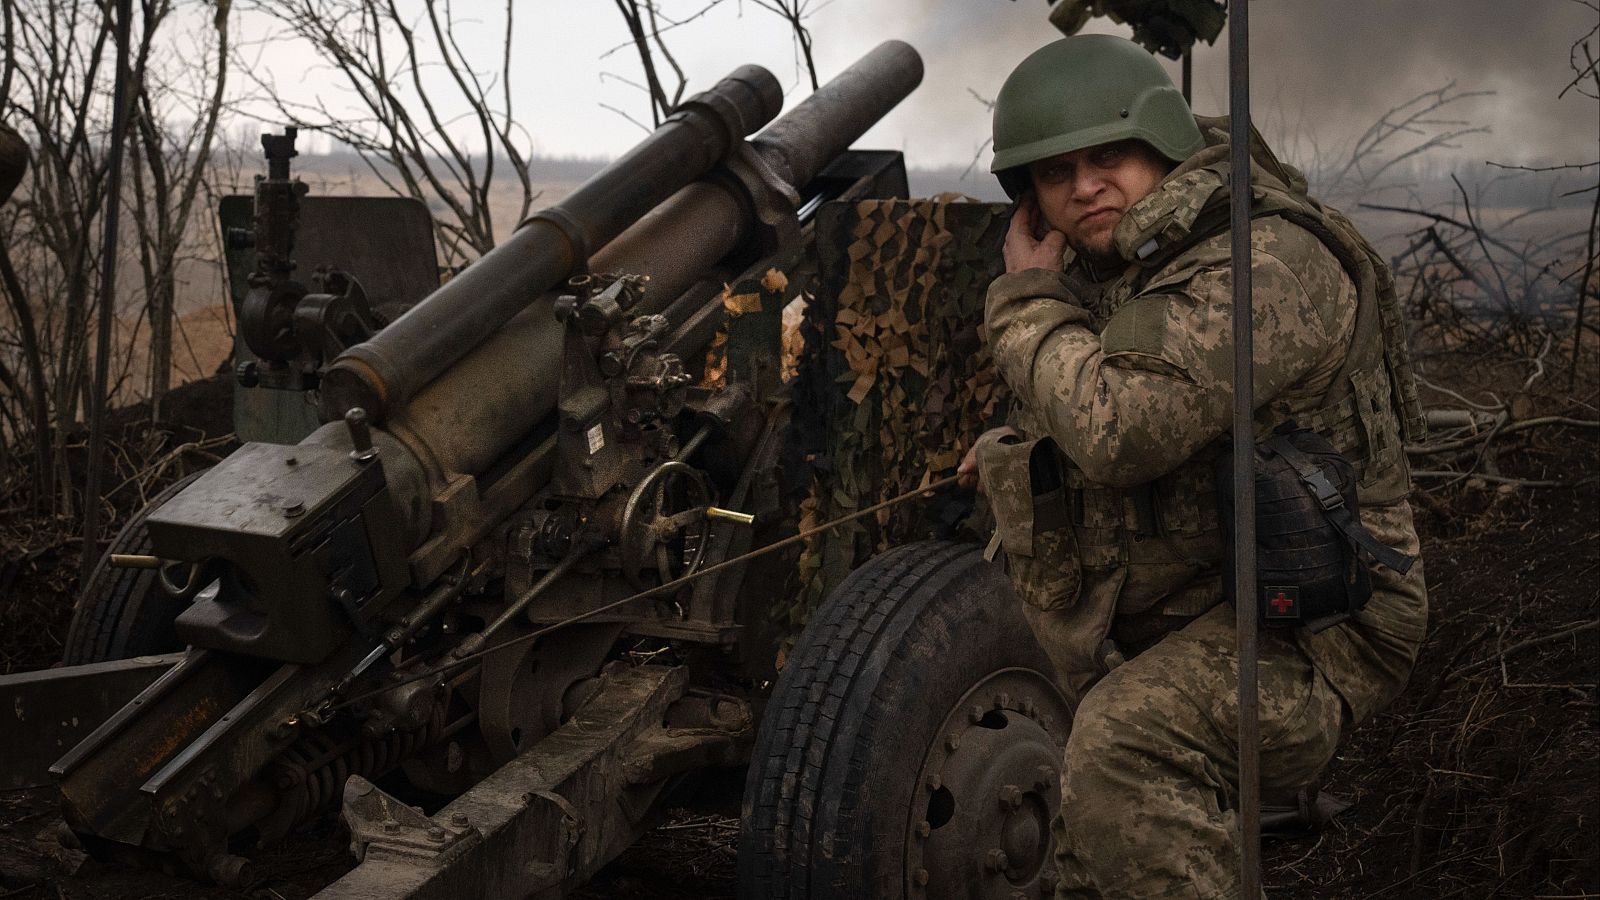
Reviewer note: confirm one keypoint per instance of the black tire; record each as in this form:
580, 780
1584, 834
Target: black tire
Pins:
858, 784
123, 613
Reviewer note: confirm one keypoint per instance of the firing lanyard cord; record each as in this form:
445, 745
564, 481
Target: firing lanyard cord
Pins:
651, 592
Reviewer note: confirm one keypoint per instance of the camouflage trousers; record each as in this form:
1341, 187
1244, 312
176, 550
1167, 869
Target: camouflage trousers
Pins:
1148, 787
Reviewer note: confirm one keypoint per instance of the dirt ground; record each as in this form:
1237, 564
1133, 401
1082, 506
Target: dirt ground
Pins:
1481, 781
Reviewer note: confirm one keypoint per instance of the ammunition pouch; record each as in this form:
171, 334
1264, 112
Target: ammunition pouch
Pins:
1312, 552
1028, 497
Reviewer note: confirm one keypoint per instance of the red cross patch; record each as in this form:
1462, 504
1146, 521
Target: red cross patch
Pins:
1282, 602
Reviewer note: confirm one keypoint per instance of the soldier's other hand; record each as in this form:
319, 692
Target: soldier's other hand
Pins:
967, 473
1030, 242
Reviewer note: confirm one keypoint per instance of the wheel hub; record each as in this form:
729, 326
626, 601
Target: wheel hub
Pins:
980, 820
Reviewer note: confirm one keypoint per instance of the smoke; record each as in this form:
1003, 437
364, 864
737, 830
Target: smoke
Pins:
1321, 72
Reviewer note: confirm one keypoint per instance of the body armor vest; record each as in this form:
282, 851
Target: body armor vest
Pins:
1154, 553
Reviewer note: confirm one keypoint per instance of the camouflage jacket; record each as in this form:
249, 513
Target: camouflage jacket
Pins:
1127, 379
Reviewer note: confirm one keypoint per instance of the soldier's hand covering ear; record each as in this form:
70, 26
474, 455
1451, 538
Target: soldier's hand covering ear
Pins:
1030, 242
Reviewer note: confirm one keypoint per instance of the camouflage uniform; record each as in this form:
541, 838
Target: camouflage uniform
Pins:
1123, 384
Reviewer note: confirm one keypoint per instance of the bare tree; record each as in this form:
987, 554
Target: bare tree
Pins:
175, 119
401, 127
57, 73
644, 26
645, 19
796, 12
57, 92
1405, 133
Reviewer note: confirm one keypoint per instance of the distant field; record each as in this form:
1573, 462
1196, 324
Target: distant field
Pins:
203, 338
203, 335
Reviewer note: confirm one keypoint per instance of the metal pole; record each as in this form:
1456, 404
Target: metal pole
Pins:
108, 286
1244, 482
1188, 72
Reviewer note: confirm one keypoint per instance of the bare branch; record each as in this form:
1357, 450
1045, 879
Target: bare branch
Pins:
400, 132
796, 12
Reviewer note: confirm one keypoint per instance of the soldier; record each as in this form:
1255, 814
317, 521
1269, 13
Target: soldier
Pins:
1112, 328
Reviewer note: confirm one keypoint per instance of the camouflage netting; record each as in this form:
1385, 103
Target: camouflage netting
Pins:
756, 312
897, 381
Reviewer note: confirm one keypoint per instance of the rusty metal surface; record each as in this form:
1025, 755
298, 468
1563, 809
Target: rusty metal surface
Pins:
473, 411
101, 776
292, 533
522, 693
559, 810
171, 770
988, 791
57, 708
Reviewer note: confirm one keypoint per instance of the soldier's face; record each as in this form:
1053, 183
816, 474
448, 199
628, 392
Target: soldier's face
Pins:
1084, 194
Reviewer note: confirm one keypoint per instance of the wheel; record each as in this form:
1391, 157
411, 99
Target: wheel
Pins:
651, 533
123, 613
912, 745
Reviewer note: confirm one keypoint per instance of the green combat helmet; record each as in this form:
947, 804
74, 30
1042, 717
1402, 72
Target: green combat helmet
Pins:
1081, 91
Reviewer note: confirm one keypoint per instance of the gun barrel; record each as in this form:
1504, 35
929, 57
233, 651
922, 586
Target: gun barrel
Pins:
826, 123
474, 412
382, 373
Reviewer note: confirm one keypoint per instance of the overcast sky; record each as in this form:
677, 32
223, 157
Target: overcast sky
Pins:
1322, 69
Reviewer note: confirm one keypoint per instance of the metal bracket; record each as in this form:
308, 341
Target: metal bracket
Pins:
378, 820
336, 318
774, 200
554, 809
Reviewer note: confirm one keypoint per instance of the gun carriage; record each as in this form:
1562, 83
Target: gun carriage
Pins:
435, 577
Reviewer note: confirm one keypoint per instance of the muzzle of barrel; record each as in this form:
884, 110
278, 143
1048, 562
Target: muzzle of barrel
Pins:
826, 123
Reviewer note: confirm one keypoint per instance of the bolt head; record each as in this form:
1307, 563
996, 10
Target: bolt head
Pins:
458, 819
974, 714
952, 742
1002, 701
921, 877
435, 833
995, 860
1011, 796
391, 828
924, 829
934, 782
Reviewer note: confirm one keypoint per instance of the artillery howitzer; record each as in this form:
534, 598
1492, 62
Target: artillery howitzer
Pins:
440, 585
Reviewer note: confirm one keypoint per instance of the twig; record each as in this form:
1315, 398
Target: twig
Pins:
159, 467
1497, 479
1514, 649
1477, 232
1462, 774
1508, 428
1561, 168
1444, 390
